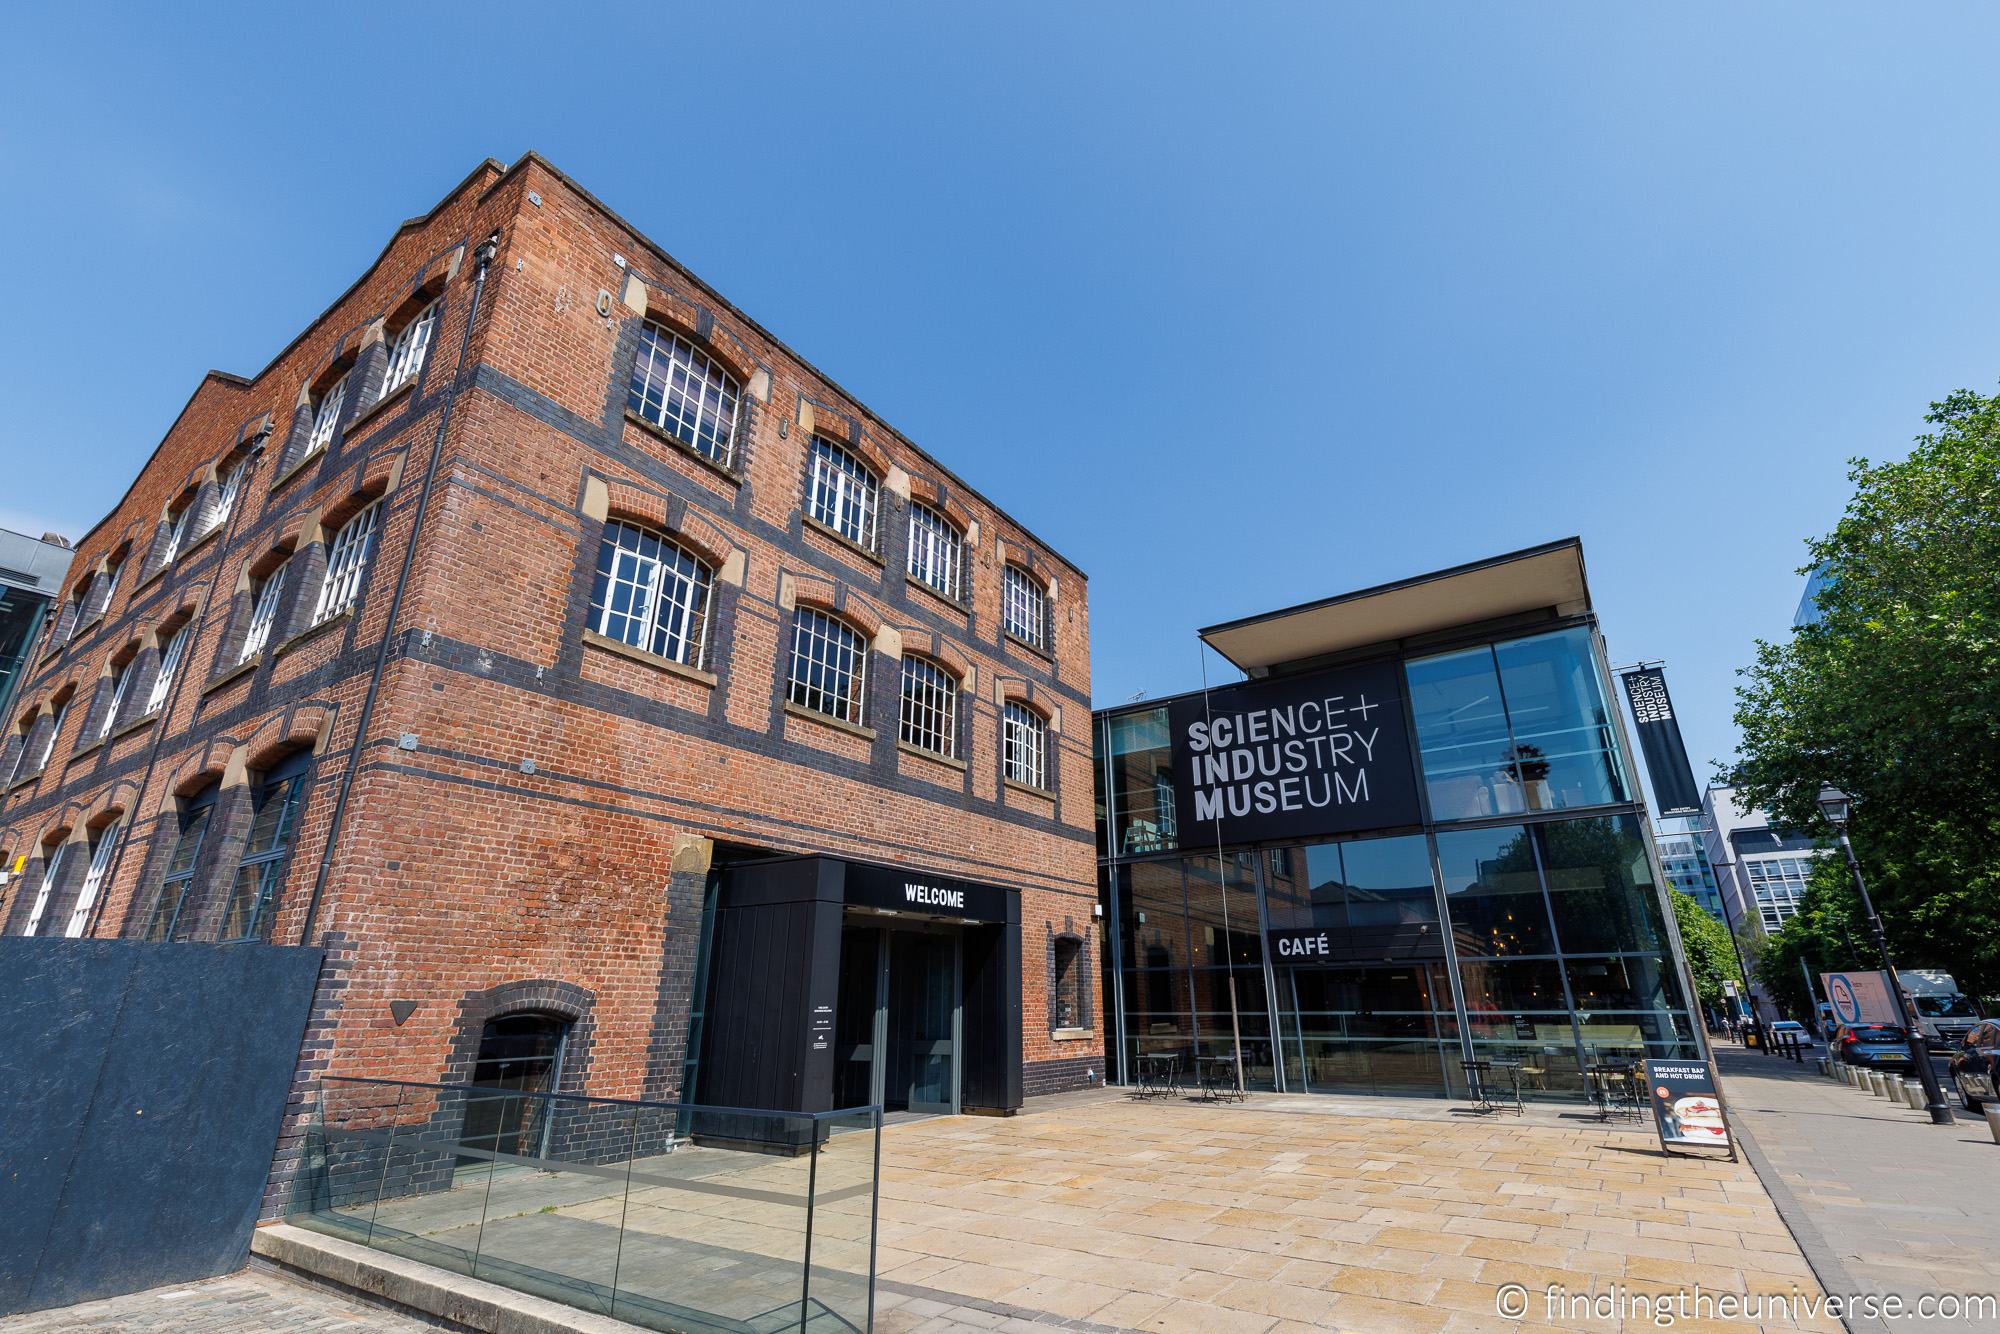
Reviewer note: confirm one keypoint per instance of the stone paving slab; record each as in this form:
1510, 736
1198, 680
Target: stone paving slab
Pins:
1898, 1205
253, 1301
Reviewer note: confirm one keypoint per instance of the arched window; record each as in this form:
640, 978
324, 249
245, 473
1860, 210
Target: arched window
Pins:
651, 593
265, 596
121, 676
103, 844
829, 664
406, 353
840, 493
929, 708
52, 861
347, 564
325, 416
178, 521
936, 550
1024, 607
520, 1056
276, 804
179, 880
685, 392
1026, 745
171, 654
56, 720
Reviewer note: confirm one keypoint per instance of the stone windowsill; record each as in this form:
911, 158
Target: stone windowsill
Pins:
1071, 1034
1029, 788
297, 468
1035, 649
312, 632
593, 639
962, 608
814, 525
661, 433
150, 579
931, 755
838, 724
381, 404
249, 664
23, 781
144, 720
83, 750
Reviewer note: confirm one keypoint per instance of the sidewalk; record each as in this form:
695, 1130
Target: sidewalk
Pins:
1889, 1202
252, 1301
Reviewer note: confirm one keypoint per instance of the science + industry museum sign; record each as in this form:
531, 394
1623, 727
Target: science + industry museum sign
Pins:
1294, 757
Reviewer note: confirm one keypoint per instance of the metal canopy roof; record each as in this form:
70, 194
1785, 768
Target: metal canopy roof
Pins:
1548, 577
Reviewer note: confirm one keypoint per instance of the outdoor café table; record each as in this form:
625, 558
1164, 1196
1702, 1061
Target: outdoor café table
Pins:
1480, 1077
1158, 1074
1218, 1078
1614, 1088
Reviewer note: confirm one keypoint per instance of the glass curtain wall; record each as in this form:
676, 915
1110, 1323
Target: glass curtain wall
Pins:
1547, 925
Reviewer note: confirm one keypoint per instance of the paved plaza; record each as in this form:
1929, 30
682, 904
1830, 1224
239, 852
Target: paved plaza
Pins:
1295, 1214
1898, 1205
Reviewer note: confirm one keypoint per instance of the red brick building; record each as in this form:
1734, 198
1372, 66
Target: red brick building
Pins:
701, 702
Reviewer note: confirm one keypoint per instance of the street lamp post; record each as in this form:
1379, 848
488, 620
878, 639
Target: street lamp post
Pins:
1836, 806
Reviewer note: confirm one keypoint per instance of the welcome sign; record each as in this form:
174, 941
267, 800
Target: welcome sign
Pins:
1294, 757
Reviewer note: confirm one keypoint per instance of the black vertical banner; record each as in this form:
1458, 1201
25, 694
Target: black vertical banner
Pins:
1674, 791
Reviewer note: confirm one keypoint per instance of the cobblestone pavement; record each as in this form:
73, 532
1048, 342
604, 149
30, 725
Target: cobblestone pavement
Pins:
1899, 1205
1269, 1219
250, 1302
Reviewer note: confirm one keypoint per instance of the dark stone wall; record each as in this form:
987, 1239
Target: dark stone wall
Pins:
141, 1088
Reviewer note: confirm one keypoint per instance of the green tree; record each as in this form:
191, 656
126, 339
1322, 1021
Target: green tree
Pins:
1709, 956
1829, 934
1894, 696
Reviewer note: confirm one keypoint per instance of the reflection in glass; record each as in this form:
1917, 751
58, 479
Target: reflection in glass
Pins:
1601, 885
1562, 730
1368, 1030
1462, 736
1142, 785
1493, 893
1622, 982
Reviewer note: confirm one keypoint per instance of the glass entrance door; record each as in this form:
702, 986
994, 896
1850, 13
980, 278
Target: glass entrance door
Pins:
923, 1022
1384, 1029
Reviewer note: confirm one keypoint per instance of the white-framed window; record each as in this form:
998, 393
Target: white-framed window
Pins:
121, 676
685, 392
50, 870
265, 596
840, 493
651, 593
104, 595
55, 730
346, 564
326, 415
1024, 606
227, 483
936, 551
101, 849
170, 663
177, 530
1026, 747
69, 620
406, 354
829, 665
929, 708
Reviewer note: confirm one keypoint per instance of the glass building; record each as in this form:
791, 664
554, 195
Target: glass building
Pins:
1686, 864
1411, 837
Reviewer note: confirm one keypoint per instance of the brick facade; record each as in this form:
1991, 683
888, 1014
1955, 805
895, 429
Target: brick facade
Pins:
531, 807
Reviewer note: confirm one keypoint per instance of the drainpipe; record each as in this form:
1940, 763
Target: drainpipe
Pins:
484, 255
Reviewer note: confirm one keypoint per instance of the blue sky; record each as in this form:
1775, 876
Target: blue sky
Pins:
1236, 306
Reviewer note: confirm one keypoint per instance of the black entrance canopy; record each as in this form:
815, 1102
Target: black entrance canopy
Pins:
773, 977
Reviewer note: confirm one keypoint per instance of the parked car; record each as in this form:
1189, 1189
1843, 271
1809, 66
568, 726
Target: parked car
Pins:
1975, 1065
1789, 1030
1876, 1046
